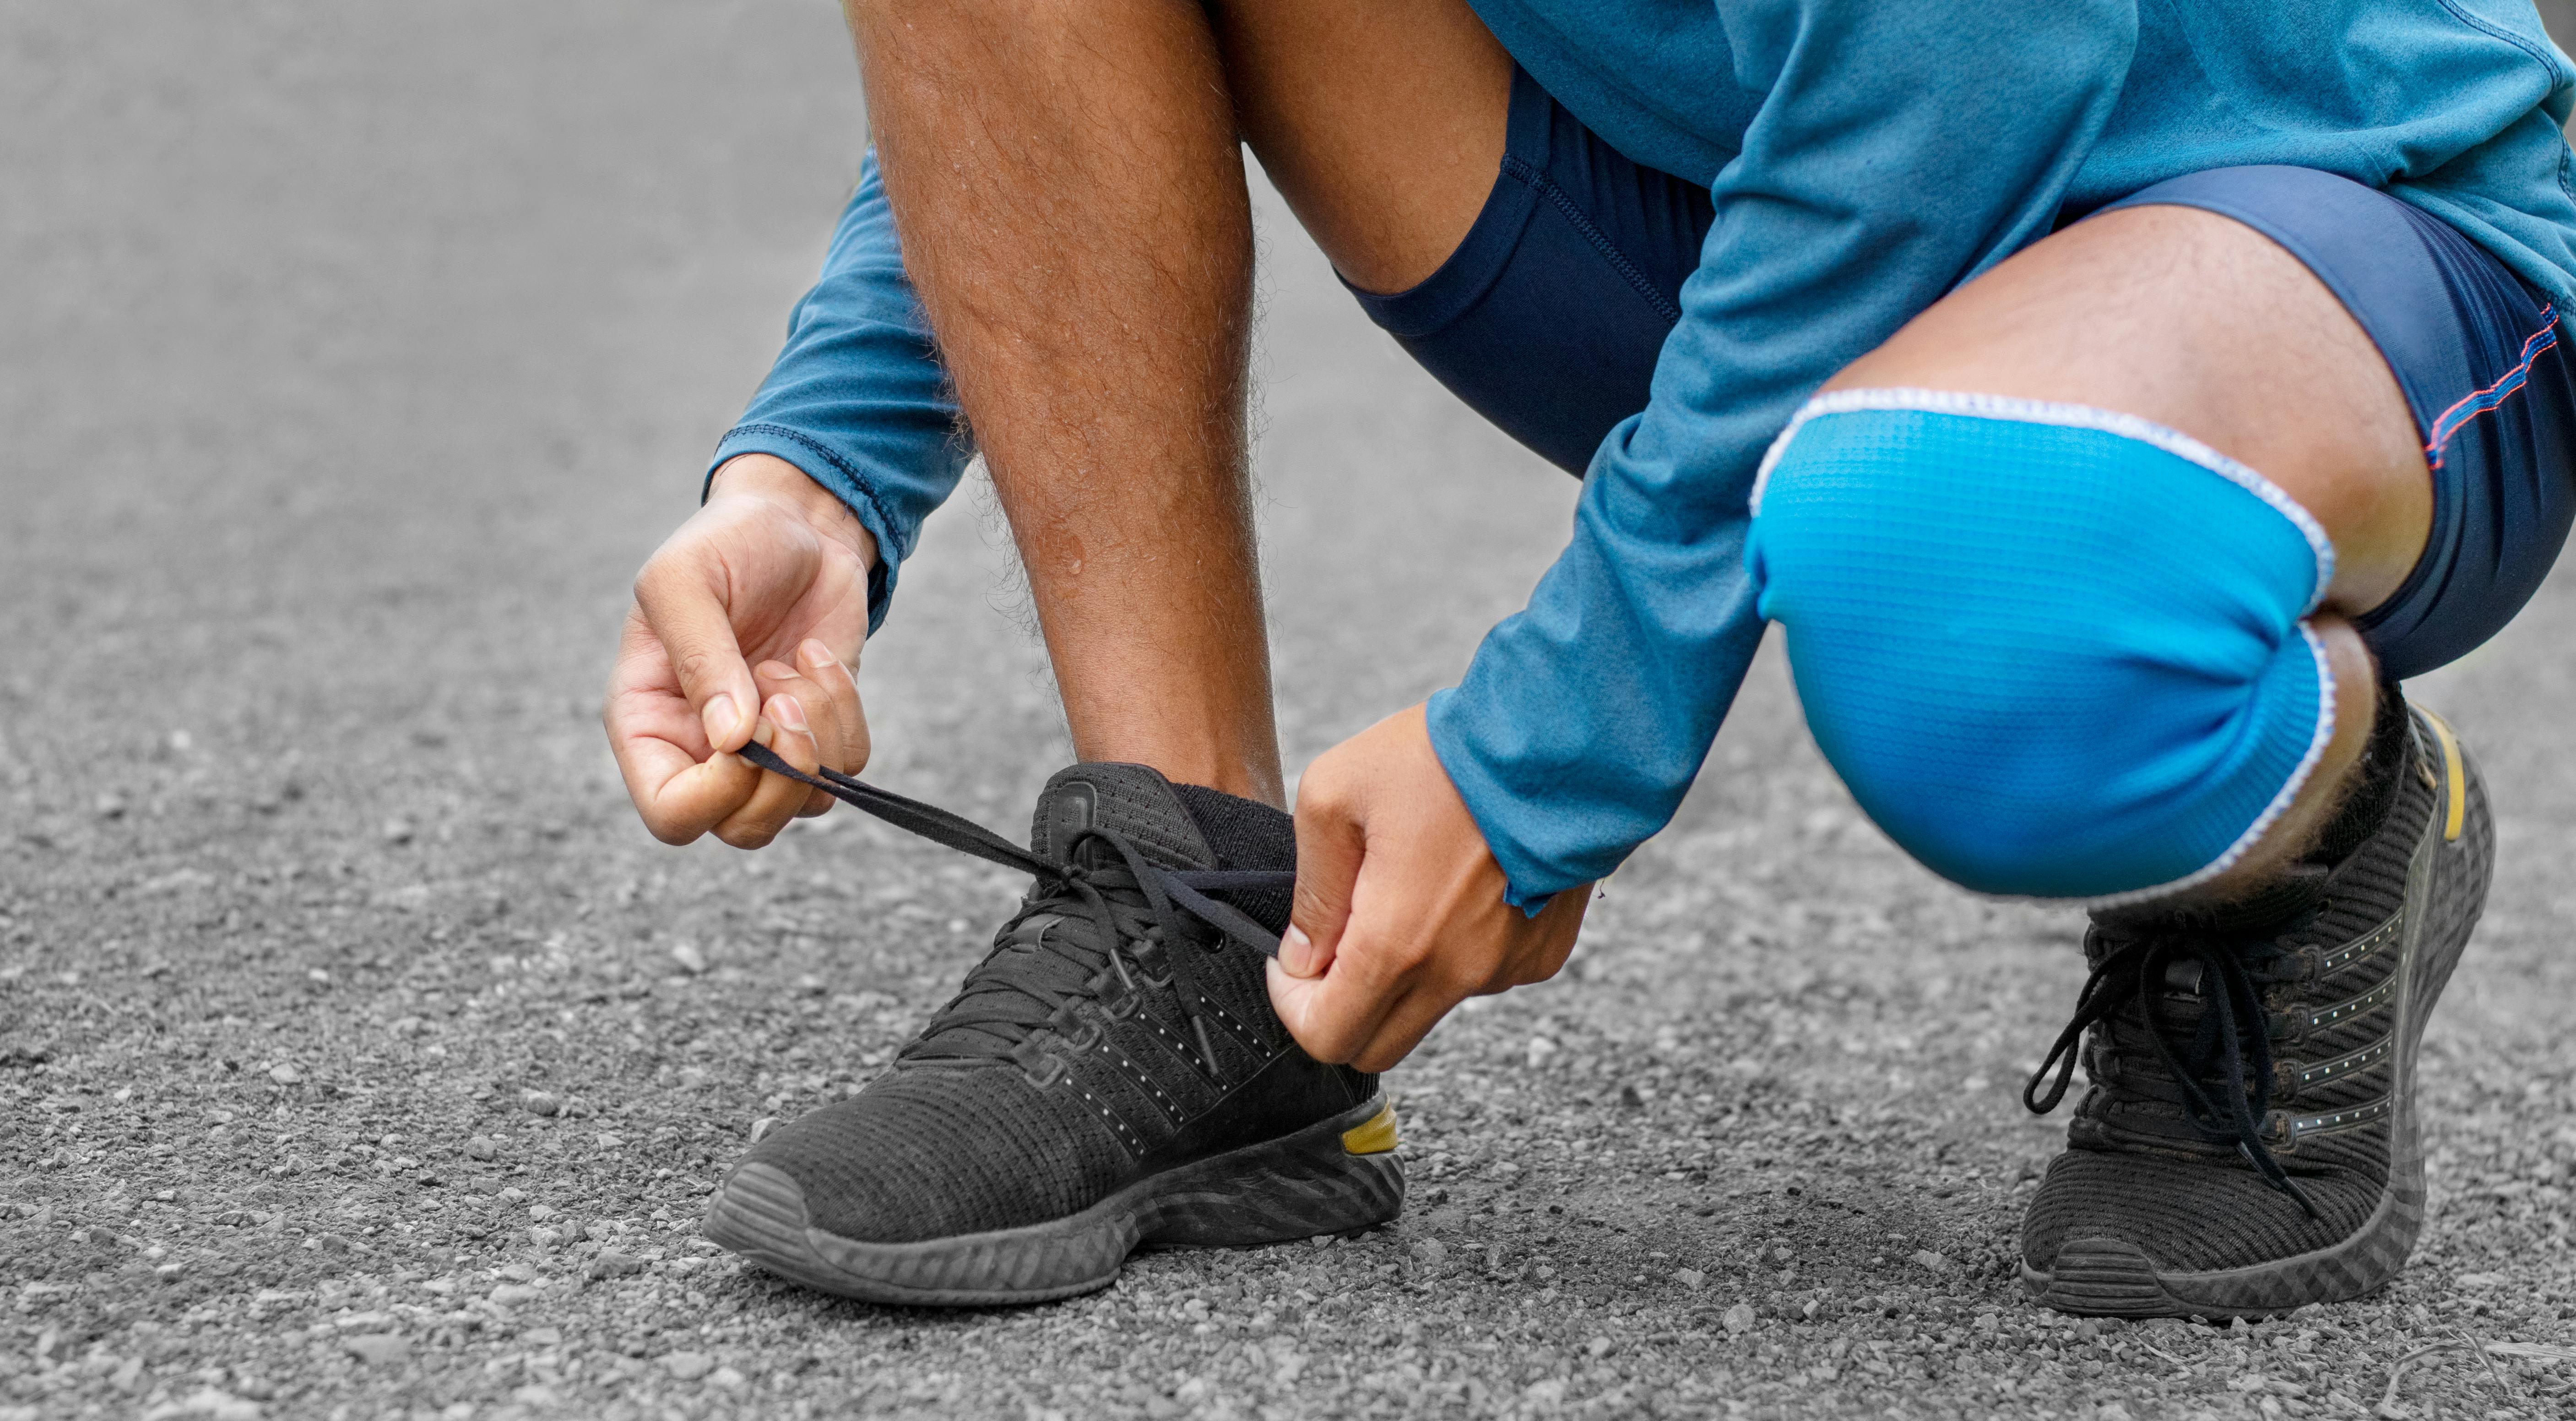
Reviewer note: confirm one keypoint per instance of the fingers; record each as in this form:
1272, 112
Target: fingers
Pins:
1332, 840
822, 688
784, 728
683, 594
661, 747
1345, 1012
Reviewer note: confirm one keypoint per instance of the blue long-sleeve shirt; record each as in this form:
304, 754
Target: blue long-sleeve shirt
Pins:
1864, 159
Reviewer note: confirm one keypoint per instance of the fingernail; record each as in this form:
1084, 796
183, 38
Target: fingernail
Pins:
816, 654
787, 712
1296, 954
721, 716
774, 671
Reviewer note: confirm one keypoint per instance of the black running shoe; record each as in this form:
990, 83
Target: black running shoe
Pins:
1111, 1076
2250, 1143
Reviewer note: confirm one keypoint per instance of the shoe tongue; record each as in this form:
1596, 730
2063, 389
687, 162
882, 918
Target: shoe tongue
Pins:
1134, 802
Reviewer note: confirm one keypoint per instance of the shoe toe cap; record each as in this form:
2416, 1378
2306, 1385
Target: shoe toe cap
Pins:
760, 1211
916, 1159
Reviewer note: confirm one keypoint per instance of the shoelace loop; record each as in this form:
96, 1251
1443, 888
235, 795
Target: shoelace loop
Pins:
1099, 895
2230, 1017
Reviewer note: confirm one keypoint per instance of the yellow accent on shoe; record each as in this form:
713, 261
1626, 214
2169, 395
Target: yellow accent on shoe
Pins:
2455, 776
1375, 1137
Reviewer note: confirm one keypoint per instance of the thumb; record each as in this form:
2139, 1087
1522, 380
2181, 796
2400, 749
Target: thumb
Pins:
687, 611
1331, 841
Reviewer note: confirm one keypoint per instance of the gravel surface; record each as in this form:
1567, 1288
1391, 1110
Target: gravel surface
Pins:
360, 1056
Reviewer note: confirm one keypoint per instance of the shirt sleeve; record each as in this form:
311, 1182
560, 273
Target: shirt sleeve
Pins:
857, 398
1902, 148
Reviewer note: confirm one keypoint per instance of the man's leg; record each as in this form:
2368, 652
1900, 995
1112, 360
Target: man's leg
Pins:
2070, 572
1071, 200
1071, 197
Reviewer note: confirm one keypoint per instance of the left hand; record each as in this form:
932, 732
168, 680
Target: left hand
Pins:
1399, 912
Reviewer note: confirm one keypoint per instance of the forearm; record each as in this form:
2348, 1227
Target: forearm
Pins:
857, 399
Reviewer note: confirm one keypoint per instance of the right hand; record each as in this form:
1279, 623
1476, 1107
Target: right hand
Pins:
747, 625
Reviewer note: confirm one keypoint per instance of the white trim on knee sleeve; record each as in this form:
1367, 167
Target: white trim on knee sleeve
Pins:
2008, 409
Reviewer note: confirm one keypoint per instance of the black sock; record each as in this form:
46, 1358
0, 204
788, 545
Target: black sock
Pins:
1245, 833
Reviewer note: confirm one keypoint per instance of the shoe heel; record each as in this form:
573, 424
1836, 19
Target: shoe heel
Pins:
1335, 1176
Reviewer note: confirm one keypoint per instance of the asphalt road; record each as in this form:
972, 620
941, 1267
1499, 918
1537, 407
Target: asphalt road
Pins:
352, 358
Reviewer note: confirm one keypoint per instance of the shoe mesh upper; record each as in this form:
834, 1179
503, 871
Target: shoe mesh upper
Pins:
2140, 1171
1117, 1083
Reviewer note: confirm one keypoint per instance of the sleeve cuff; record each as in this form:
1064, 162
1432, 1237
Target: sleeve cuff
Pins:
1530, 884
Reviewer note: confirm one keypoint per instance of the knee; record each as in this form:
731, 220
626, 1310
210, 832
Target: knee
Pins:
2052, 651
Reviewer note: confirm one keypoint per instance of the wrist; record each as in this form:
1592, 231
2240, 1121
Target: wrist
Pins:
772, 479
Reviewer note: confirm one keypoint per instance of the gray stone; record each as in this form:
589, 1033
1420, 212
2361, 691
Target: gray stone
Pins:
378, 1348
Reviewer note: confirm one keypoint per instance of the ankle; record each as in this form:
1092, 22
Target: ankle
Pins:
2369, 789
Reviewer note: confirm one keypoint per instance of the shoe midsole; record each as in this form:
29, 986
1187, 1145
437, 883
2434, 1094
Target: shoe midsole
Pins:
1294, 1186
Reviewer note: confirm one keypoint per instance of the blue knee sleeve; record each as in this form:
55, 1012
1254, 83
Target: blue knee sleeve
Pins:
2053, 651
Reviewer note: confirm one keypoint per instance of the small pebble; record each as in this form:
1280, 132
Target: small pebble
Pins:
612, 1264
763, 1126
482, 1147
1738, 1319
688, 1366
692, 962
397, 831
285, 1074
378, 1348
216, 1405
537, 1102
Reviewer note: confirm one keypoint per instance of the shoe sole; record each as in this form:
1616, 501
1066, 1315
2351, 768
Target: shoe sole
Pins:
1335, 1176
2103, 1277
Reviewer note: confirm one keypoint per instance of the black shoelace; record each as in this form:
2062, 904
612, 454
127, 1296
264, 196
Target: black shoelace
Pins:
1118, 906
2232, 1019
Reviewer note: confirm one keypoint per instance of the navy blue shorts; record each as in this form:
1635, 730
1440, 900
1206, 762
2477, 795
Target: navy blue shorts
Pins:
1548, 318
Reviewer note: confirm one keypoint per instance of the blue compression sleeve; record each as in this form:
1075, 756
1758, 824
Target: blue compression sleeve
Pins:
857, 398
1900, 150
2053, 651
